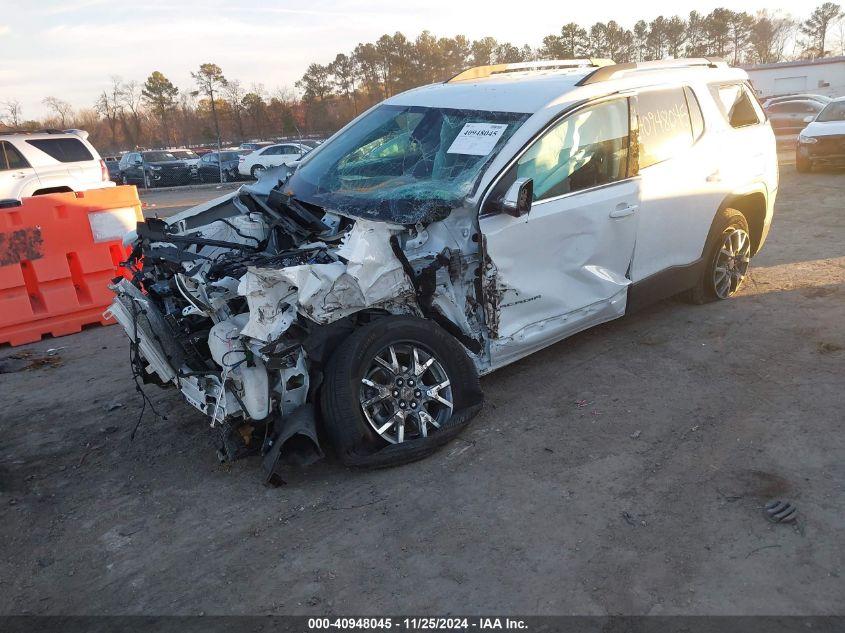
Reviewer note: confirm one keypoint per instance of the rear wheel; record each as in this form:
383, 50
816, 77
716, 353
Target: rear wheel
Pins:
393, 381
727, 258
257, 170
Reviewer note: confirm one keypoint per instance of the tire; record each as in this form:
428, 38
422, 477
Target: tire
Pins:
802, 163
224, 176
256, 171
352, 427
711, 285
147, 182
123, 179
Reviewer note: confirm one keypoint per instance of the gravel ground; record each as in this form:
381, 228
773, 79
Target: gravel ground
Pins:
619, 472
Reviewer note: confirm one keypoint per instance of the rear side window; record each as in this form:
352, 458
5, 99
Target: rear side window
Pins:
665, 125
64, 150
10, 157
736, 104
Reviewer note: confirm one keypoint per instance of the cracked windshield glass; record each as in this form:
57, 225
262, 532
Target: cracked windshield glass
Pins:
404, 164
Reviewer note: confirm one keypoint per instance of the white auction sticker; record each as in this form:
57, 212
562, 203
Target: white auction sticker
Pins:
477, 139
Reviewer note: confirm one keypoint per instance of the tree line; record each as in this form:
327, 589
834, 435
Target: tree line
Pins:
156, 113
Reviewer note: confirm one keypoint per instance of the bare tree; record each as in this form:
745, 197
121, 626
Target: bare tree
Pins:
234, 95
62, 109
12, 109
109, 107
131, 98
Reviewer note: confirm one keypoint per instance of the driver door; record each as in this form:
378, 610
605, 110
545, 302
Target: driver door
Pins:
562, 267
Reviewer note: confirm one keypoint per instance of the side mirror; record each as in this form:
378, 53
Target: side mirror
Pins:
809, 118
517, 200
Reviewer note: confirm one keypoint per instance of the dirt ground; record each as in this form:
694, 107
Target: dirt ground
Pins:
622, 471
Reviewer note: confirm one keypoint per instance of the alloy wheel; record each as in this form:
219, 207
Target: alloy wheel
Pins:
732, 262
405, 393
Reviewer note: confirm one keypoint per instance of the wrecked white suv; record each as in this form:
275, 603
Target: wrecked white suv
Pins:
445, 233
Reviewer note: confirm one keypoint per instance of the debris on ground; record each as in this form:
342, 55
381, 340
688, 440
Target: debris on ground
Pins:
781, 511
29, 361
636, 434
828, 348
113, 406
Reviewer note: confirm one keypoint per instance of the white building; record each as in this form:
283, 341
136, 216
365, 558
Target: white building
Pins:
824, 76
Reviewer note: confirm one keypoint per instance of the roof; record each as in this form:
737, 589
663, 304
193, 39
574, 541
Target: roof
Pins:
532, 86
796, 63
524, 92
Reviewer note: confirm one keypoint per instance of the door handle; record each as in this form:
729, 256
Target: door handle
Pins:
19, 174
623, 210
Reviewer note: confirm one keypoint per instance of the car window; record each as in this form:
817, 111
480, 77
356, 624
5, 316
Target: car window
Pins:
665, 126
736, 104
64, 150
833, 111
10, 157
587, 149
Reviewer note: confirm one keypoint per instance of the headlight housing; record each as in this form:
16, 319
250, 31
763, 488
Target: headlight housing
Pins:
807, 140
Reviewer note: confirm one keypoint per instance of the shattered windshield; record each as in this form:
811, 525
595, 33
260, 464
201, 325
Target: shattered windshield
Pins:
404, 164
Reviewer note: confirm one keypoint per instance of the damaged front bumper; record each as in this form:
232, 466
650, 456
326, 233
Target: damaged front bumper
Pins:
240, 305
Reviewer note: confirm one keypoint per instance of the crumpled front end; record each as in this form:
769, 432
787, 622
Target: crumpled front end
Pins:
239, 304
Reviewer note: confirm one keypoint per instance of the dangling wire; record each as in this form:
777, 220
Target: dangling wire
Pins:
135, 363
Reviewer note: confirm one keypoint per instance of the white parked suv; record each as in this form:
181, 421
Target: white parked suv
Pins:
52, 161
441, 235
255, 163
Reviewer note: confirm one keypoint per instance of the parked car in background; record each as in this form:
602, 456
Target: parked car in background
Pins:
822, 142
190, 157
155, 168
219, 167
810, 97
51, 161
312, 143
255, 163
787, 117
113, 165
254, 145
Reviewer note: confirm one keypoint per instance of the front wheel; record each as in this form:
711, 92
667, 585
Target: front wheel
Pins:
727, 258
398, 383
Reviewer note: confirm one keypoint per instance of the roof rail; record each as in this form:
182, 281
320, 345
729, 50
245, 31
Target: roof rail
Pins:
48, 130
606, 73
480, 72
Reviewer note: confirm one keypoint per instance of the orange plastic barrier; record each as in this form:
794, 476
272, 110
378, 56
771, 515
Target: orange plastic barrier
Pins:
58, 254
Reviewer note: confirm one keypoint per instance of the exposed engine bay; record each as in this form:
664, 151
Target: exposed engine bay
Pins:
241, 302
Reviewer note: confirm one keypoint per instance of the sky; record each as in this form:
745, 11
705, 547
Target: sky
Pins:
69, 49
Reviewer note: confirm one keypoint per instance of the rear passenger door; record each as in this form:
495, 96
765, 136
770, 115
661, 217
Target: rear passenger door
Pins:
15, 173
679, 164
